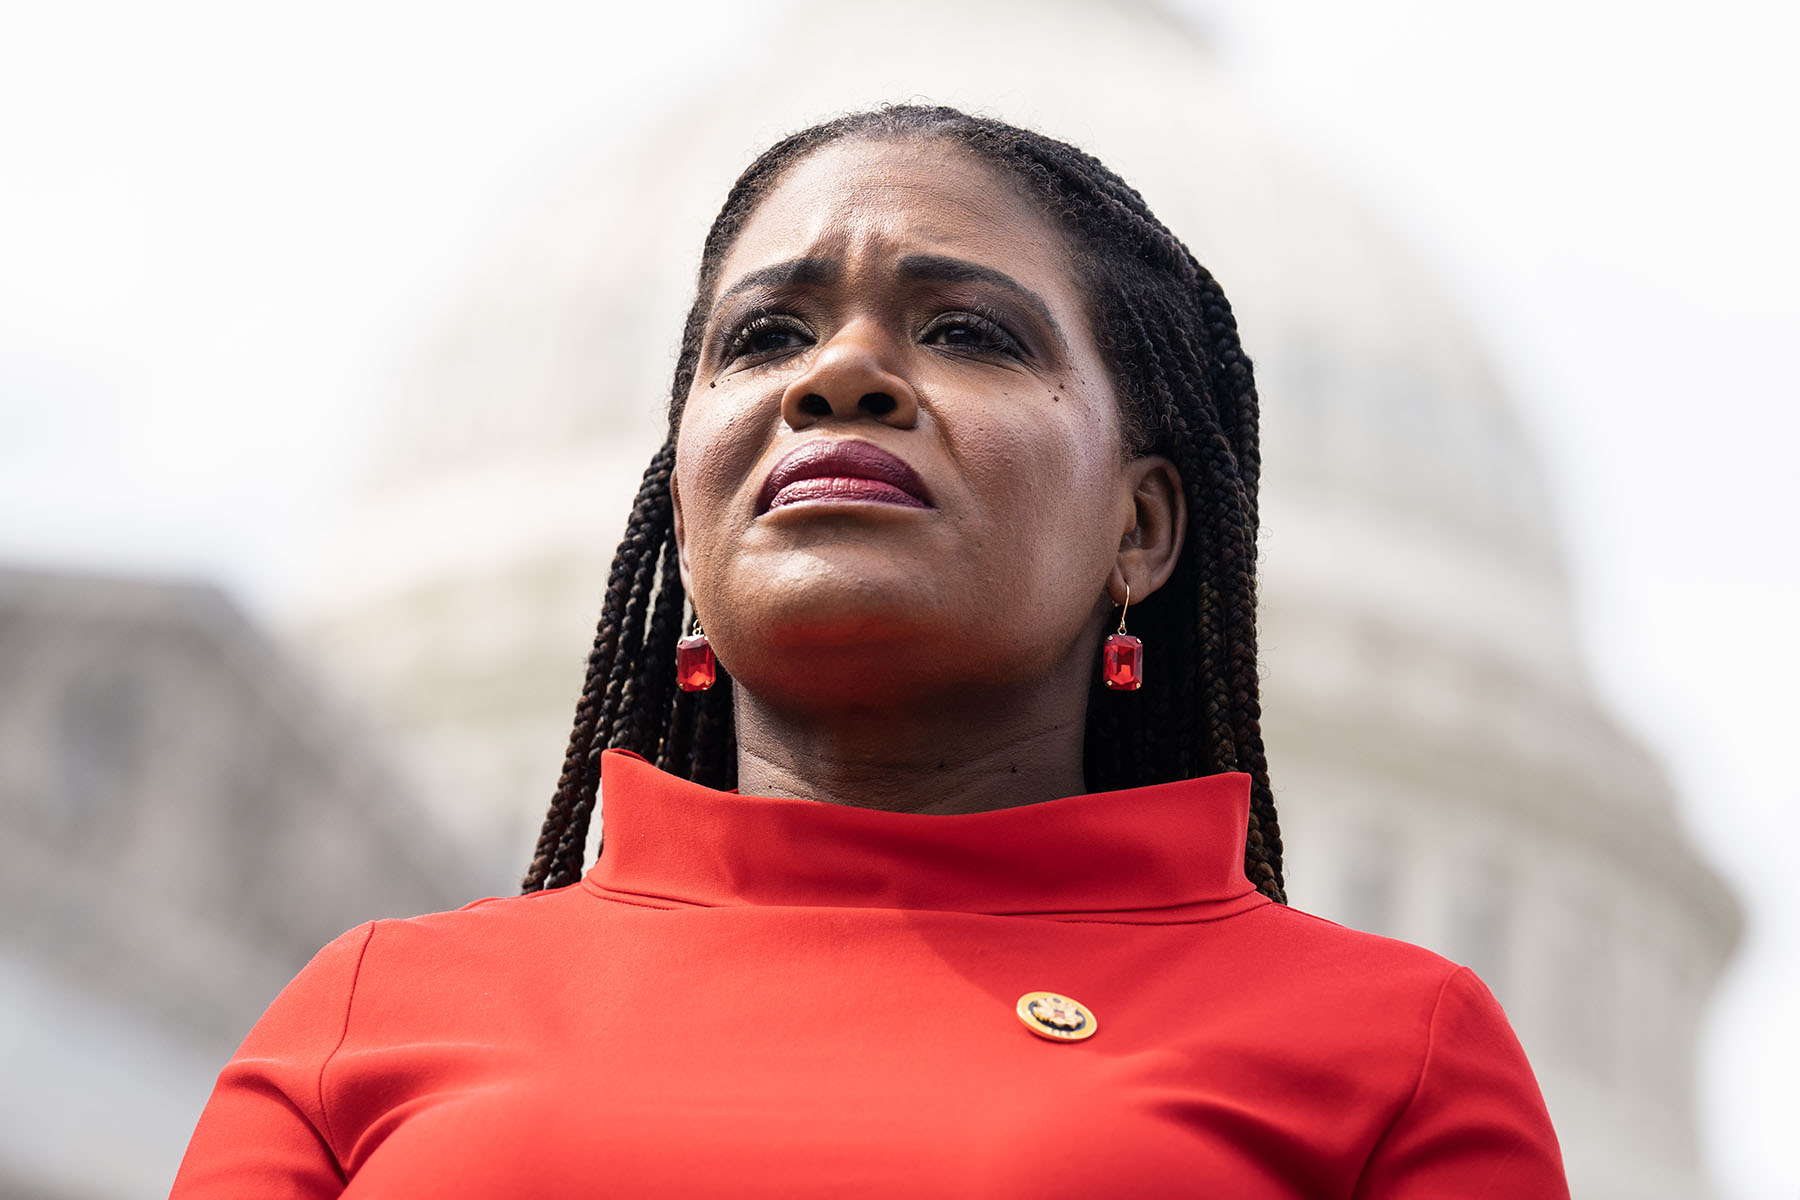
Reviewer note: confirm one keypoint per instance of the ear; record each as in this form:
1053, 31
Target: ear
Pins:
687, 584
1152, 545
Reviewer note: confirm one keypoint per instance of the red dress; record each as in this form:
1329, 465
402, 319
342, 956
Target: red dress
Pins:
756, 997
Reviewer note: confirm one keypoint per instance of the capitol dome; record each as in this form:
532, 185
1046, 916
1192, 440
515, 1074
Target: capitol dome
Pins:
1444, 770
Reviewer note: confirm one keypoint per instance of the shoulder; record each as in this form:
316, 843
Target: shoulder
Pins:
1315, 969
411, 957
404, 963
1428, 1024
489, 911
491, 924
1303, 941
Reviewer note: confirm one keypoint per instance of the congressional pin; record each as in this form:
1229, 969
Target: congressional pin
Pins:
1055, 1016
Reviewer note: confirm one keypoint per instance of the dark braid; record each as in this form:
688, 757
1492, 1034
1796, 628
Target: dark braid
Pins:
649, 534
1186, 391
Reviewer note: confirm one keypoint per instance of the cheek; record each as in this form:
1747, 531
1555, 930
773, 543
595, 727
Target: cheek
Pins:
1046, 478
715, 450
1042, 459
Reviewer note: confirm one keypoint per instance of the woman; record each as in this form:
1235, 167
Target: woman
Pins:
989, 918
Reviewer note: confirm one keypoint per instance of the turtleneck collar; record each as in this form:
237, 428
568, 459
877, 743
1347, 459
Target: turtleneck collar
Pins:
1168, 853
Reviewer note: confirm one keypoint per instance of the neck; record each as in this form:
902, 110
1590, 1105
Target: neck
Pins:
951, 755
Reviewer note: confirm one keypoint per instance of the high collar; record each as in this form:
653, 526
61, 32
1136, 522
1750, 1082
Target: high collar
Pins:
1171, 852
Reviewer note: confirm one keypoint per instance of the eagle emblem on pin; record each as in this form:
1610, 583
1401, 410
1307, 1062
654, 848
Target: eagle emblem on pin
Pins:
1054, 1016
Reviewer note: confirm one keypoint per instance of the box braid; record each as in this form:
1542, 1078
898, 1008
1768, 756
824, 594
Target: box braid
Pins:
1186, 391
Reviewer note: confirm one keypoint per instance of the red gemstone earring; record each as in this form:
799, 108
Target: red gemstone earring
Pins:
1122, 658
695, 667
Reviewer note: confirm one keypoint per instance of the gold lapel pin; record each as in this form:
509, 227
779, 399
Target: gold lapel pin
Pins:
1055, 1016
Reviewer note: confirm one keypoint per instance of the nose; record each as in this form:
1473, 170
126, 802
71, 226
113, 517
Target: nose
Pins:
851, 377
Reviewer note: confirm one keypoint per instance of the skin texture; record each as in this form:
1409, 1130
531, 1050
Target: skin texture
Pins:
919, 659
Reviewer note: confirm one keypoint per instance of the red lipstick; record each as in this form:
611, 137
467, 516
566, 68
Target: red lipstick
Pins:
843, 469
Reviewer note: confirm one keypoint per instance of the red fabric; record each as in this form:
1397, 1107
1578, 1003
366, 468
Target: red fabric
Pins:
752, 997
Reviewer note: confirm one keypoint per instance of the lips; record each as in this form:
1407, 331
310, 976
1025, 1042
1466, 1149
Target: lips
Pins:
842, 469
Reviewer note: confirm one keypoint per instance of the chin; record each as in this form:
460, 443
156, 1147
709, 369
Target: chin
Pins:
829, 630
835, 589
837, 617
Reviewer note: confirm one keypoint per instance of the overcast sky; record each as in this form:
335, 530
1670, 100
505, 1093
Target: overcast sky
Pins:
225, 227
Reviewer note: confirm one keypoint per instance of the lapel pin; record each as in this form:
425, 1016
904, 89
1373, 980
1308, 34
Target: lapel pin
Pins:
1056, 1017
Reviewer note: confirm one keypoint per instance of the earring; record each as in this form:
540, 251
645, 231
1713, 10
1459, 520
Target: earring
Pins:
695, 667
1122, 658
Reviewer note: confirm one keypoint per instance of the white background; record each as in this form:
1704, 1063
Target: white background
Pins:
225, 227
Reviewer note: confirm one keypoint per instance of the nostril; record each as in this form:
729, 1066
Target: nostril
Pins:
815, 405
878, 404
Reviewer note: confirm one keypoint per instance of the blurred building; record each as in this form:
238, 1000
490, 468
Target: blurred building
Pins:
184, 820
1444, 771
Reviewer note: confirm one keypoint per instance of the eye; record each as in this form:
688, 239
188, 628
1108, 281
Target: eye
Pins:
764, 335
972, 333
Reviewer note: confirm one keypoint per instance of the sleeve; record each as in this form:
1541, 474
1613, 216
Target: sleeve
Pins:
265, 1131
1475, 1127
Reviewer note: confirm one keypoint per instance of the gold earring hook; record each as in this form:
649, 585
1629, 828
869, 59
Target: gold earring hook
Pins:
1124, 607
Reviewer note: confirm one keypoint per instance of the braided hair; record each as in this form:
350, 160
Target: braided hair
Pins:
1167, 334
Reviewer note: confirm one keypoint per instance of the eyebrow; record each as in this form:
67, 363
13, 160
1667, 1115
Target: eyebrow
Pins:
795, 272
939, 268
914, 268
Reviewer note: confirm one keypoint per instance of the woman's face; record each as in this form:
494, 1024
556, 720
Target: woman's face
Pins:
901, 455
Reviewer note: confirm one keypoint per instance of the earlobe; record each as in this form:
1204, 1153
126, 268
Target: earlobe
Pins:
1152, 546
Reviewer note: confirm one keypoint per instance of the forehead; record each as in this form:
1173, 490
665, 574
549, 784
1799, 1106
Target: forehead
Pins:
861, 199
